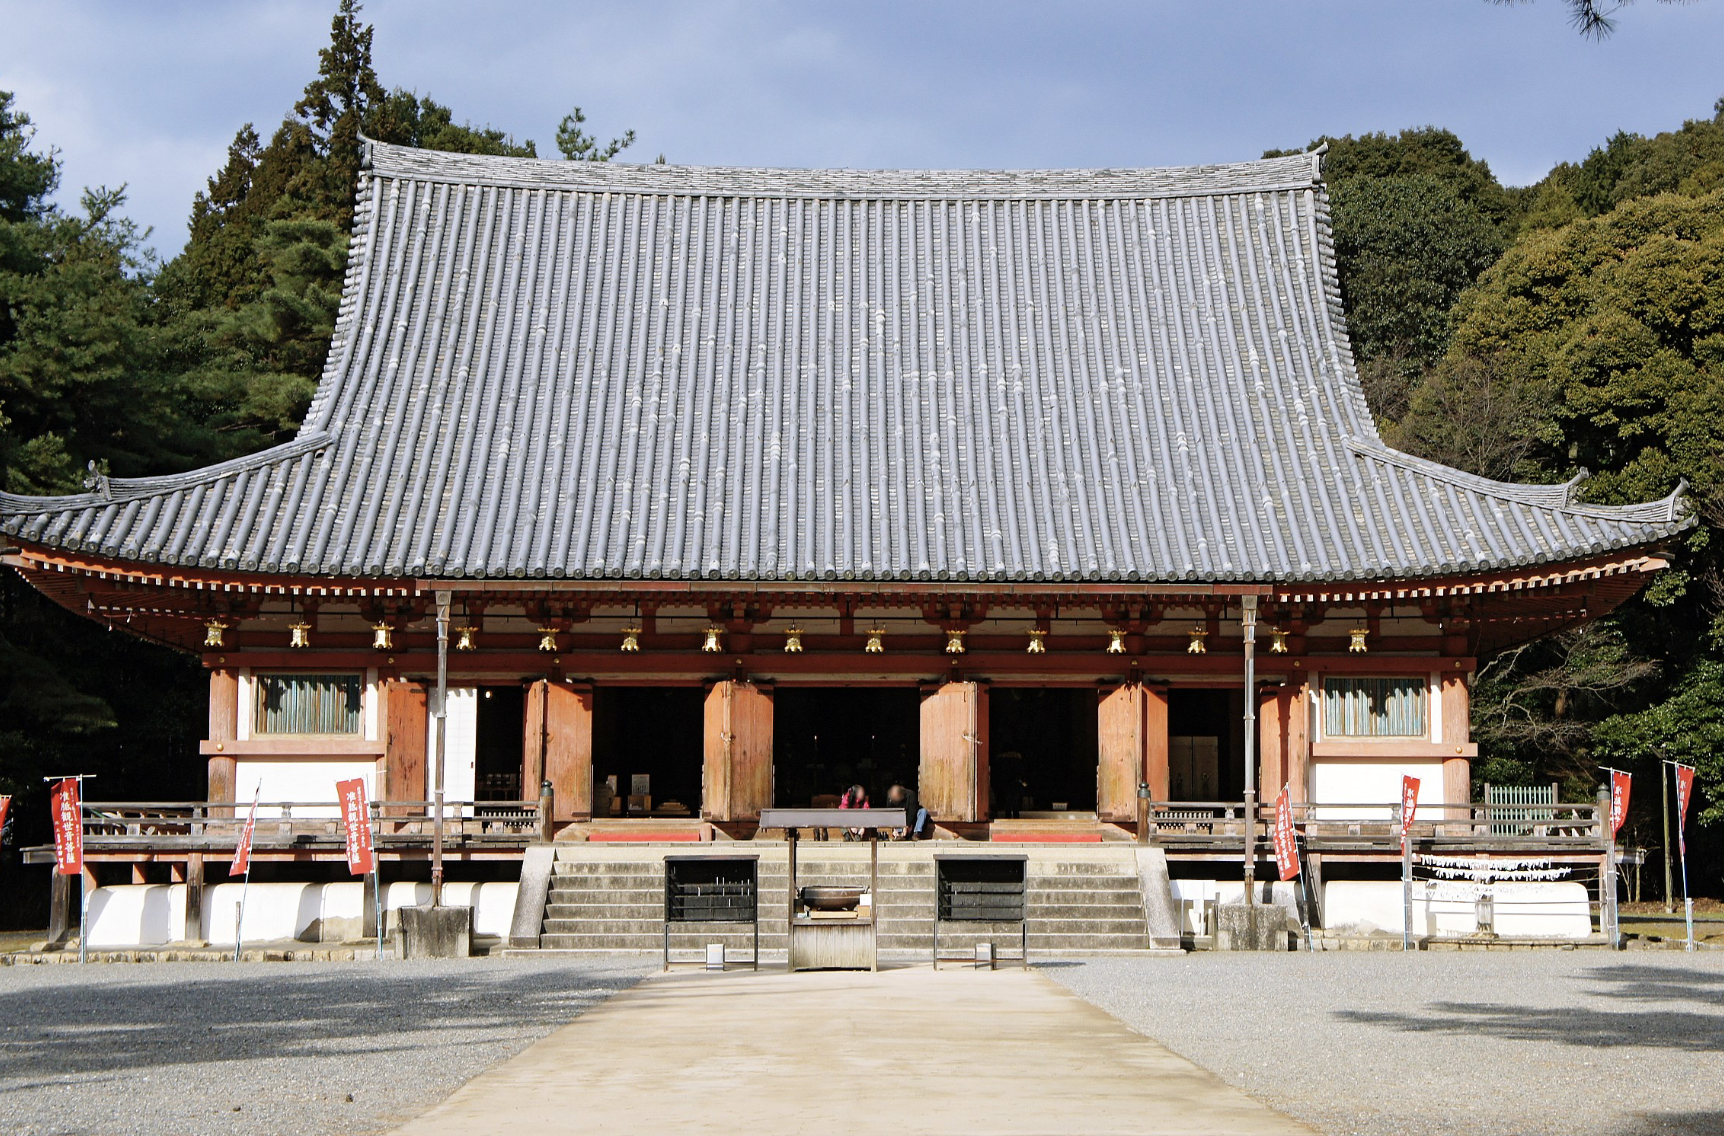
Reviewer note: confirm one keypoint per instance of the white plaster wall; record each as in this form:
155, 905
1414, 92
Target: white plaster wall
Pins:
1191, 896
299, 779
146, 915
1523, 910
136, 915
1341, 781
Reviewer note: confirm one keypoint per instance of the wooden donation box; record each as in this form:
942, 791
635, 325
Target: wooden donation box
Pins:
831, 927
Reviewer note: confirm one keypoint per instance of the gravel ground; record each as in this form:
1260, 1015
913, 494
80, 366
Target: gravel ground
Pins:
261, 1049
1385, 1044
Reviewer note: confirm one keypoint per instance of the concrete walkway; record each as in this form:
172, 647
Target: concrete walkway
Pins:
900, 1052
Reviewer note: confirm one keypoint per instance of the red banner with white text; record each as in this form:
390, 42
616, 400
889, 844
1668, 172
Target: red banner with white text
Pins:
1684, 794
1409, 804
68, 827
5, 807
1286, 837
242, 851
356, 821
1619, 786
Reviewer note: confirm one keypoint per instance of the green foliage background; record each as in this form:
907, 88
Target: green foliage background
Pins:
1516, 332
112, 361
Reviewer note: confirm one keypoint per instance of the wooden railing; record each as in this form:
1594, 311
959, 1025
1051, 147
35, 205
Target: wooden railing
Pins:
286, 825
1373, 827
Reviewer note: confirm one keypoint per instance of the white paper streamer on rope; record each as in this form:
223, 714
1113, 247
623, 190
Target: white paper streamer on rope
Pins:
1483, 871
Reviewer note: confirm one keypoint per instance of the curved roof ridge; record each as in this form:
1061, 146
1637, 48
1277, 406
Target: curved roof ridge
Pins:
1260, 175
121, 489
1559, 496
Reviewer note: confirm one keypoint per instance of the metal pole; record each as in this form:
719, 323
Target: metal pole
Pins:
1682, 844
1304, 897
1406, 885
1248, 622
1669, 888
442, 735
1607, 921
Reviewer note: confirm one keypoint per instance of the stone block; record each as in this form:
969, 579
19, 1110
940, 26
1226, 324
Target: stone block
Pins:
1250, 927
436, 932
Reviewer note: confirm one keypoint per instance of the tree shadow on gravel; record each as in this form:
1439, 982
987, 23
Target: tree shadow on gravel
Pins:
95, 1026
1691, 1031
1675, 1124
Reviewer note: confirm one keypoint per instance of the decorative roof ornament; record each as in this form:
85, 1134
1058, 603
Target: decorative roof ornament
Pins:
382, 637
215, 633
1198, 643
1038, 642
299, 634
98, 483
793, 640
548, 640
467, 638
954, 642
1357, 646
1278, 641
631, 644
876, 644
1116, 640
714, 643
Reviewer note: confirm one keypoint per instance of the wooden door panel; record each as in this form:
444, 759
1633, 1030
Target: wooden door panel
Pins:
405, 748
953, 784
533, 739
1120, 720
569, 749
737, 776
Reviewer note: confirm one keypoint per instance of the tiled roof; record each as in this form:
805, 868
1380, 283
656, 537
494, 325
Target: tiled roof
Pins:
579, 370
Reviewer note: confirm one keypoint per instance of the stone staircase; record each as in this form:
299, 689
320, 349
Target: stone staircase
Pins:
609, 900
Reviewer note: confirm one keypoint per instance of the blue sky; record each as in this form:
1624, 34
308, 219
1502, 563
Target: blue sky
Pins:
150, 93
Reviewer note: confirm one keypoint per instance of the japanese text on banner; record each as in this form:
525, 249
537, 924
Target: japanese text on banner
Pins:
1409, 804
1286, 837
356, 820
1619, 786
68, 827
1684, 792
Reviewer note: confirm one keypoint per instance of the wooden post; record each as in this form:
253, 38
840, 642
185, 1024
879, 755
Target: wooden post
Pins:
59, 908
737, 751
568, 751
1457, 731
1298, 768
193, 931
368, 921
223, 730
953, 782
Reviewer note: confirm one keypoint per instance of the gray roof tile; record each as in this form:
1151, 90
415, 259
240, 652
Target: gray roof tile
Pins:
563, 370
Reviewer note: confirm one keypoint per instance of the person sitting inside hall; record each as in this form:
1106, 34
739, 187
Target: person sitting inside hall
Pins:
899, 797
855, 797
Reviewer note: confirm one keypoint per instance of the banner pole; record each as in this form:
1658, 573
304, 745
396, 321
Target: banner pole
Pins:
1304, 898
84, 909
1406, 893
377, 879
245, 886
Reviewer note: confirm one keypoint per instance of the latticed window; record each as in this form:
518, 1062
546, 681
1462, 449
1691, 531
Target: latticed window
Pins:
1374, 707
308, 704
